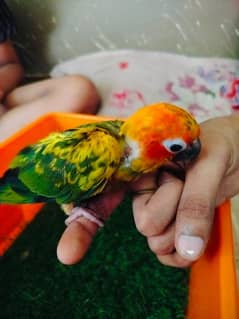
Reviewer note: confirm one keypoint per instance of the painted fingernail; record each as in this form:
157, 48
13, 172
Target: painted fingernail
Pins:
190, 247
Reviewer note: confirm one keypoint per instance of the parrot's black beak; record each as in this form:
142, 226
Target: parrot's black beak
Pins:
178, 164
189, 154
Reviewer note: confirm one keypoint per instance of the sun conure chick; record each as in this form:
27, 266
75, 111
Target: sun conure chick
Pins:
72, 166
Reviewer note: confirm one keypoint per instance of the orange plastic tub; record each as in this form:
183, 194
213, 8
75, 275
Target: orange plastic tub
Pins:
213, 290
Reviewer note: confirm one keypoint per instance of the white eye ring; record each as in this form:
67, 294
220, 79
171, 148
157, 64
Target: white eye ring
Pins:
175, 145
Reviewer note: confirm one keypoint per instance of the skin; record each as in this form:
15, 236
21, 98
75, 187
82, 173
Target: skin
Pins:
23, 104
165, 216
11, 71
187, 208
26, 103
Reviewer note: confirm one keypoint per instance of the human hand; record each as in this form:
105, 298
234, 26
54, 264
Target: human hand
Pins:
176, 208
177, 218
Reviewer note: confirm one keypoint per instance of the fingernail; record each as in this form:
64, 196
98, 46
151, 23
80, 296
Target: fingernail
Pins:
190, 247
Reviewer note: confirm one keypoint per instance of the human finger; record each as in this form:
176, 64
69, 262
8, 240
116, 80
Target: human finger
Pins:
174, 260
163, 244
75, 241
196, 208
164, 248
153, 212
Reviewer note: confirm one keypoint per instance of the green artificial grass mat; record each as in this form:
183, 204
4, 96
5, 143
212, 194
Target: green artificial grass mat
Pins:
119, 277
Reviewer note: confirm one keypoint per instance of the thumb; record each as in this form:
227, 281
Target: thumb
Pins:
78, 236
197, 204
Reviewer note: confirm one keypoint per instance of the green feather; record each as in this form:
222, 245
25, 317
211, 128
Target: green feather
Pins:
70, 166
13, 191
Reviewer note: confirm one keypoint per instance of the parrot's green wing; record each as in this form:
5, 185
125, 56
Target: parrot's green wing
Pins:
68, 166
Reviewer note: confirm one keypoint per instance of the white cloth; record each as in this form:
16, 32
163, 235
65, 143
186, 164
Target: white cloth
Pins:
127, 80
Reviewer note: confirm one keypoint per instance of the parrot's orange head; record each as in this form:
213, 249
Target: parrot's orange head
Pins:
160, 133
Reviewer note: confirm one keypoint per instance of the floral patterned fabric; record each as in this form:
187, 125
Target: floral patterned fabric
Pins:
207, 87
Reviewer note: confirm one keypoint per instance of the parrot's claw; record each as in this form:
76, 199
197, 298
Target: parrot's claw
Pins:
83, 212
67, 208
145, 191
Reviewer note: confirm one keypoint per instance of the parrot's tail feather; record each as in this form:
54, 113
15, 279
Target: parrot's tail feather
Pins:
13, 191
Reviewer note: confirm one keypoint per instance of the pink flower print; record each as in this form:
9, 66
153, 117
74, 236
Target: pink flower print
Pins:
169, 89
202, 88
187, 81
123, 65
127, 99
235, 107
233, 89
119, 98
197, 110
232, 94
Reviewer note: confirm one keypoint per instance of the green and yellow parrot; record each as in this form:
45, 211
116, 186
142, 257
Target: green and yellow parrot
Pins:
72, 166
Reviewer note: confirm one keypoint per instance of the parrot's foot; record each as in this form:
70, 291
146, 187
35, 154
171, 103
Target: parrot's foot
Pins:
67, 208
77, 212
144, 191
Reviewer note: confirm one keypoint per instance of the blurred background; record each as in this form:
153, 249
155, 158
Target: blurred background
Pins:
52, 31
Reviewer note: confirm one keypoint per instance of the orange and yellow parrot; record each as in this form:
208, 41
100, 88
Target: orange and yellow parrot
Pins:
72, 166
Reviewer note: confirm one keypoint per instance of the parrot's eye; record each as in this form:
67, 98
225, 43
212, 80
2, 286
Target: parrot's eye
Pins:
175, 145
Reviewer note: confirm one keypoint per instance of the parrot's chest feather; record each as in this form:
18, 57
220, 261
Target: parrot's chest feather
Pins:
134, 161
132, 152
132, 164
